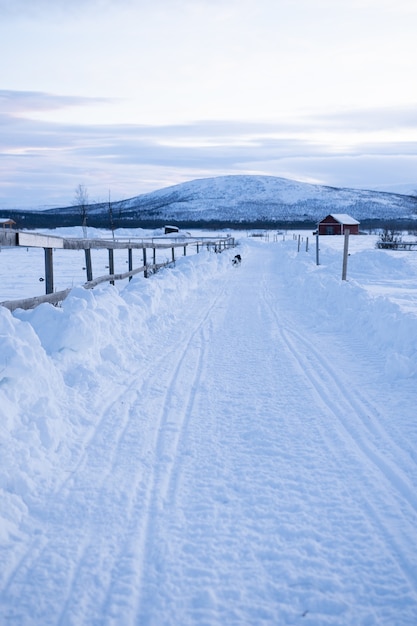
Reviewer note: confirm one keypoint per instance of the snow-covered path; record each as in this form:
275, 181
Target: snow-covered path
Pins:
241, 468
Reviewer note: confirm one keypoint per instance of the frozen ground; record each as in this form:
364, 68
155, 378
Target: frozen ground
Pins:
215, 445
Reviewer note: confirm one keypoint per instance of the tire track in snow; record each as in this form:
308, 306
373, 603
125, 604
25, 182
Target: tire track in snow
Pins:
321, 375
358, 409
168, 491
163, 464
352, 415
126, 571
173, 421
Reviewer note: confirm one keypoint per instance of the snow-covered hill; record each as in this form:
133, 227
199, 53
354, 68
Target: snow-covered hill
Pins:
230, 200
264, 198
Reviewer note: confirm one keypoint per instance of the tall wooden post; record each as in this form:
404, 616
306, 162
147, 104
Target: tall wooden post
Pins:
173, 255
88, 264
130, 261
345, 253
317, 249
145, 271
111, 263
49, 271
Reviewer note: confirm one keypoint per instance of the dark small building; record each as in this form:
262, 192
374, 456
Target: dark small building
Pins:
171, 229
337, 223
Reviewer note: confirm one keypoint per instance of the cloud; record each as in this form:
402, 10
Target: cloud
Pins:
42, 162
28, 8
18, 102
370, 119
204, 143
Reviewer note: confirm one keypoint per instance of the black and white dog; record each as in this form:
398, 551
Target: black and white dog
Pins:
237, 260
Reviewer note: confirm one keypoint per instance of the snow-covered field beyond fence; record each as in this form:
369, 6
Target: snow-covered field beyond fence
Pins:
214, 445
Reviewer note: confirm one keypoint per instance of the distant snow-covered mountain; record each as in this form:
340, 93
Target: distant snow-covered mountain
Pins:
263, 199
234, 200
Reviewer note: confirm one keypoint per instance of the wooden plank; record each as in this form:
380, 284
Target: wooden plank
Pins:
31, 303
112, 277
81, 244
37, 240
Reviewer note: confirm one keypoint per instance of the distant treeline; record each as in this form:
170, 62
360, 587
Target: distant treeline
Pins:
31, 220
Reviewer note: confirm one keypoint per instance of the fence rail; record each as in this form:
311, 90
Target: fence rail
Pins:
397, 245
50, 242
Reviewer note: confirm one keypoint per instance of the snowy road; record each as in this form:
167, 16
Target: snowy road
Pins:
241, 468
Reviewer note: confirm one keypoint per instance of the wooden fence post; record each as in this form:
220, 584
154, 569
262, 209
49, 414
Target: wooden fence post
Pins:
173, 255
145, 271
49, 270
111, 263
317, 249
130, 261
88, 264
345, 254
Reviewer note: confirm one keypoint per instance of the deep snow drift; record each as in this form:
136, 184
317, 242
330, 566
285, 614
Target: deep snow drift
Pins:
215, 445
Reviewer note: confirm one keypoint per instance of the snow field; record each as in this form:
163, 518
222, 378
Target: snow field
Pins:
215, 445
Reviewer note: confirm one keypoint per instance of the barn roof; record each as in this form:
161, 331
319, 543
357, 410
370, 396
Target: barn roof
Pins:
344, 218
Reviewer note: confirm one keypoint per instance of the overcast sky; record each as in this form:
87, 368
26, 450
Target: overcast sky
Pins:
129, 96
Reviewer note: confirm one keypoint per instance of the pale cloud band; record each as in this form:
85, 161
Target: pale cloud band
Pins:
42, 162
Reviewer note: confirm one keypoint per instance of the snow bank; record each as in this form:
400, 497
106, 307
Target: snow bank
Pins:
53, 361
371, 318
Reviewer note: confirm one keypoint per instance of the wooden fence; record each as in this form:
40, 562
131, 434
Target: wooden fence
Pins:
397, 245
149, 265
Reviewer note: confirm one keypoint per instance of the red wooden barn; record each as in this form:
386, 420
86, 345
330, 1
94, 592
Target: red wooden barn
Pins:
337, 223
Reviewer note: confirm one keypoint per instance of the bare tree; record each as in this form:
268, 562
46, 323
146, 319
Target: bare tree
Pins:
389, 238
81, 201
111, 216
